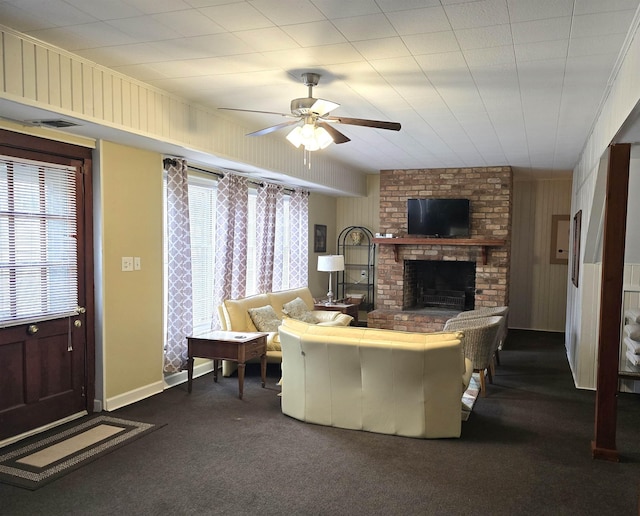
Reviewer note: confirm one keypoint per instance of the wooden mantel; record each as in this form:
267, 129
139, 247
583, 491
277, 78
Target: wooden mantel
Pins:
483, 243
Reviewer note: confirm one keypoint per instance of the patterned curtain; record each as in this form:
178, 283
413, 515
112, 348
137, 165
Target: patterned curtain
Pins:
269, 196
180, 296
232, 205
299, 260
279, 281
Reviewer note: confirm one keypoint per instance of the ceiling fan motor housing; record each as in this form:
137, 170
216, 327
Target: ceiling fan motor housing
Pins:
302, 106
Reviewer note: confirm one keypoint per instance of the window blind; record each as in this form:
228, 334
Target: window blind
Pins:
38, 241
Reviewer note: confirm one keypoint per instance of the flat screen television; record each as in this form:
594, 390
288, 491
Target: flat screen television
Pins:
441, 218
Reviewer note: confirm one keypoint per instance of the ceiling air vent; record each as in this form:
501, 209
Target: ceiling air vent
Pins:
57, 123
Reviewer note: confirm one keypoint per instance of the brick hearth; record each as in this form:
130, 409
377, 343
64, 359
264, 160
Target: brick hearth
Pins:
490, 191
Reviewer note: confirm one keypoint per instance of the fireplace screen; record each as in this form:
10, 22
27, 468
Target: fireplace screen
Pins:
439, 284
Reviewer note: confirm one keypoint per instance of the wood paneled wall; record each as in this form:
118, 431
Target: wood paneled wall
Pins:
538, 289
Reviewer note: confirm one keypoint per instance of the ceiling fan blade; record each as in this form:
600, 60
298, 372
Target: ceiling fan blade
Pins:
336, 135
272, 128
322, 106
254, 111
379, 124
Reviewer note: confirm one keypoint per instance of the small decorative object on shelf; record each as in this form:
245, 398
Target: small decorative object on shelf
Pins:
356, 283
356, 237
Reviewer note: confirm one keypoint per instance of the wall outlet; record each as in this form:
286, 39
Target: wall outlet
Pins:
127, 263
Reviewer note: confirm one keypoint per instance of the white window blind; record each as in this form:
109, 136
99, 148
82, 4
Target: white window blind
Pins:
38, 241
202, 204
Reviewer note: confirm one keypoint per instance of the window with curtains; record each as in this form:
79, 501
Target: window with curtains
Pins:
38, 251
202, 213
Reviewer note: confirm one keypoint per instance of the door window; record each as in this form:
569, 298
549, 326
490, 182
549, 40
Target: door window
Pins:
38, 241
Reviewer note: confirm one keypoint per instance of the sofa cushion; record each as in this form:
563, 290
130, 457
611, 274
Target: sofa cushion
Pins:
264, 318
298, 309
237, 315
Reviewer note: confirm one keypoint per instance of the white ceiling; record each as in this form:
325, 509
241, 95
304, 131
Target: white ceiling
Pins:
473, 83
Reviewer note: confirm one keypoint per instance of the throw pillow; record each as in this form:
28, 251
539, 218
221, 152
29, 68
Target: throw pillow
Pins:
298, 309
265, 318
633, 330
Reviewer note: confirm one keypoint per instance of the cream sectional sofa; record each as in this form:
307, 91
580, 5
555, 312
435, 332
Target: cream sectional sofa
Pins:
234, 316
384, 381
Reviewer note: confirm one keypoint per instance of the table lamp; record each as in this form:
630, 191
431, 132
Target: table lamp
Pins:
330, 263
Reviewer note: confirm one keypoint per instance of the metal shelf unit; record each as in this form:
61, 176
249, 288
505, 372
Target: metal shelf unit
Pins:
355, 243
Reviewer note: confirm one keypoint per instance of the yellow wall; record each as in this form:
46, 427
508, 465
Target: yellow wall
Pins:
131, 215
322, 210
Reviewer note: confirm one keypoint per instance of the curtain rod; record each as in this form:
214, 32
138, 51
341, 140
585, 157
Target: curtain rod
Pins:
220, 174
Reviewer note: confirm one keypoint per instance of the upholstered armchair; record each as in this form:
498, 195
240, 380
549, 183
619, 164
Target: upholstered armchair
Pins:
480, 336
489, 312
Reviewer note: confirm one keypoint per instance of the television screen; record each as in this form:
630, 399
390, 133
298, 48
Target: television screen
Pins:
445, 218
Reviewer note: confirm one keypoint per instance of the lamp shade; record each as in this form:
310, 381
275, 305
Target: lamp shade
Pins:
331, 263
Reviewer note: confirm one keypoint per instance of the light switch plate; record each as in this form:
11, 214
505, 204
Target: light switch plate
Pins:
137, 264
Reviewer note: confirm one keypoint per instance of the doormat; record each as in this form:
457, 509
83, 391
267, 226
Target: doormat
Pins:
46, 457
470, 395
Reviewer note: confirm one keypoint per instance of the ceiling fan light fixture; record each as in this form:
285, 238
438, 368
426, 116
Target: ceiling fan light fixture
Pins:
312, 138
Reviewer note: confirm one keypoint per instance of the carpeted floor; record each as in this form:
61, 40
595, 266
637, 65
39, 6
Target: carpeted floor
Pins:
524, 450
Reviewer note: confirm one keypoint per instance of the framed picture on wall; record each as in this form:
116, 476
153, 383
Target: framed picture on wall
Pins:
575, 259
319, 238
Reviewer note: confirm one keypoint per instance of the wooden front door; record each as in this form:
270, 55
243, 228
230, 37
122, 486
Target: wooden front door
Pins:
46, 278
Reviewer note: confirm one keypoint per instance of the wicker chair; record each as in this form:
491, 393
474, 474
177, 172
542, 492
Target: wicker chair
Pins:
480, 336
489, 312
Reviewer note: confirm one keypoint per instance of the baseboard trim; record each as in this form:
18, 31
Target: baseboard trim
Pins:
127, 398
171, 380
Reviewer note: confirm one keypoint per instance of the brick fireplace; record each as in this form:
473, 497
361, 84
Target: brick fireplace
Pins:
489, 190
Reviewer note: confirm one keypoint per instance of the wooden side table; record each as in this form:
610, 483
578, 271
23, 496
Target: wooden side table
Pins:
228, 345
345, 308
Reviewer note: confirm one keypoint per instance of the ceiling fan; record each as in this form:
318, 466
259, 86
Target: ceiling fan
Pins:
315, 128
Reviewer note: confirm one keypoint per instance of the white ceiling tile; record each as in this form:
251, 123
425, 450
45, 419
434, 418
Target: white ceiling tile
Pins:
188, 23
159, 6
381, 49
209, 3
528, 10
601, 24
418, 21
333, 9
609, 44
267, 40
483, 57
120, 55
599, 6
541, 30
289, 12
402, 5
432, 43
63, 38
542, 50
22, 20
147, 30
106, 10
314, 33
56, 12
484, 37
235, 17
365, 27
482, 13
144, 72
212, 45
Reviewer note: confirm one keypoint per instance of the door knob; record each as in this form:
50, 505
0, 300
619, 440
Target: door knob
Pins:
32, 329
77, 323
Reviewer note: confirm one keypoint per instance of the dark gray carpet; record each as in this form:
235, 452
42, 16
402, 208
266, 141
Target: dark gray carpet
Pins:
525, 450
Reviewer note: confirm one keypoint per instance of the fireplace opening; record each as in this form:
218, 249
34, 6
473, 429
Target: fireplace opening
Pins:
439, 284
